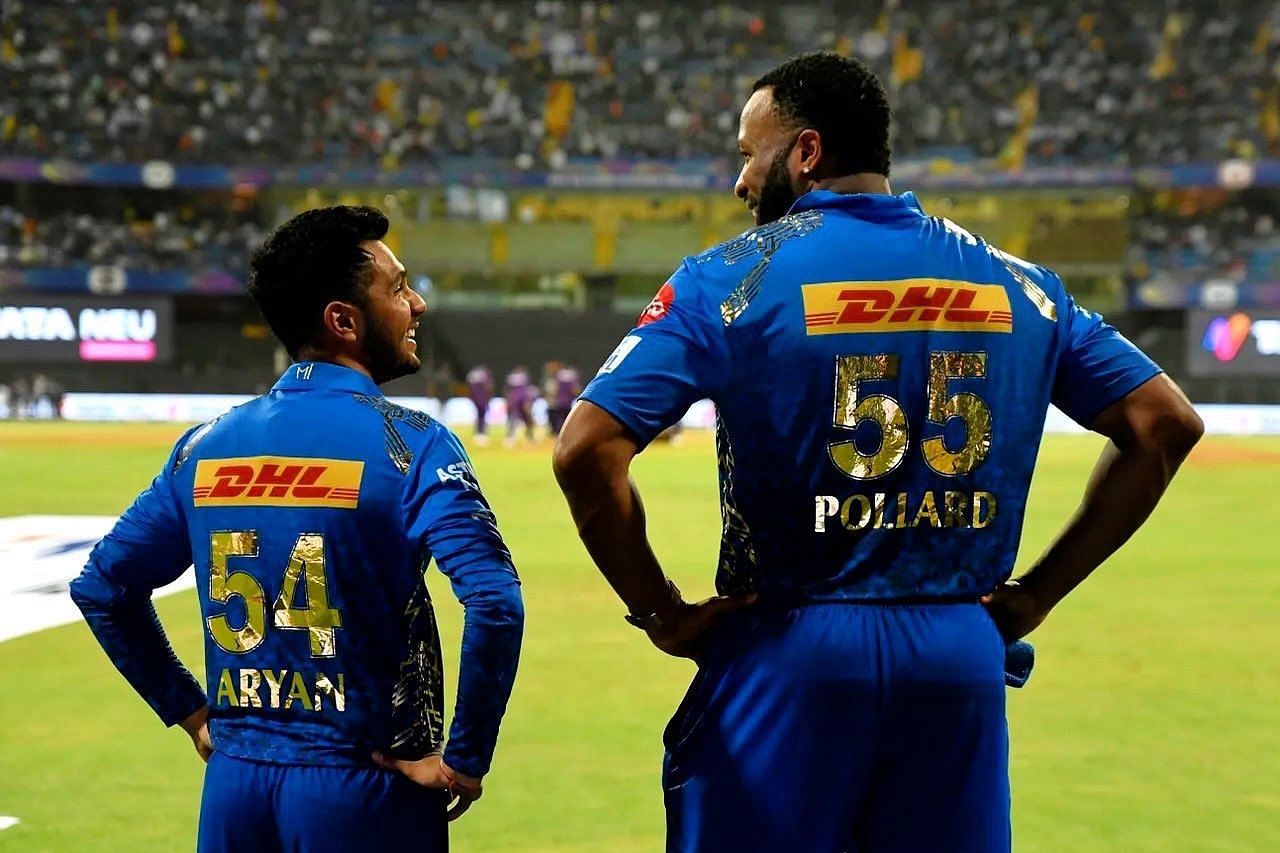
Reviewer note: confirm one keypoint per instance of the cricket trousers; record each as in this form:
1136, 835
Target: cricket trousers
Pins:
255, 807
843, 727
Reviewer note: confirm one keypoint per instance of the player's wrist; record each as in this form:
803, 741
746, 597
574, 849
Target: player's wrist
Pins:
659, 612
195, 721
456, 780
1036, 591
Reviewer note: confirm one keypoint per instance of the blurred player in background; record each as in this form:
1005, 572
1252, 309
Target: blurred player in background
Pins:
881, 379
518, 391
311, 514
549, 371
562, 391
480, 390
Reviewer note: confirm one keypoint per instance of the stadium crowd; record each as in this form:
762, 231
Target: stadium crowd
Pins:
228, 81
176, 239
1197, 236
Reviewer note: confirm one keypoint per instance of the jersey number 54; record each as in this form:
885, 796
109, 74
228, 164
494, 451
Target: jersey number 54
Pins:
306, 563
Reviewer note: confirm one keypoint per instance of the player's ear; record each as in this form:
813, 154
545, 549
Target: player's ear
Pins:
342, 321
809, 149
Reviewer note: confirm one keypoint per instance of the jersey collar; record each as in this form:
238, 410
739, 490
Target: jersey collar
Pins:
871, 206
321, 375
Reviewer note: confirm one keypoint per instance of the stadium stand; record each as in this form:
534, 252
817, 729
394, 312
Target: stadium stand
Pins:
410, 82
172, 239
1194, 235
561, 155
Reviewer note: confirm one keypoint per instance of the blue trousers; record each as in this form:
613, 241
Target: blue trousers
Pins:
252, 807
843, 727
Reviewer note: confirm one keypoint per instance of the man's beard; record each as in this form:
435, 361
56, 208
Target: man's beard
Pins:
387, 358
776, 196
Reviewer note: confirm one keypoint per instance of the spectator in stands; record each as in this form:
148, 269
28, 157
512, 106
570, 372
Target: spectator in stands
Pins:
165, 240
235, 82
1197, 235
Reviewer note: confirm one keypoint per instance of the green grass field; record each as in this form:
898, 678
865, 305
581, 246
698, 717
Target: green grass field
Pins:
1151, 722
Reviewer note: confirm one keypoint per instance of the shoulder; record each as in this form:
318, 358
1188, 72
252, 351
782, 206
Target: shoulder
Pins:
189, 444
439, 457
416, 428
729, 275
1041, 285
1019, 268
755, 245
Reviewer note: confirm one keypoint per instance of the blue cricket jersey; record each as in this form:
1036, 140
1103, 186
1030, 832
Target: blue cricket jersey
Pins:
881, 379
311, 514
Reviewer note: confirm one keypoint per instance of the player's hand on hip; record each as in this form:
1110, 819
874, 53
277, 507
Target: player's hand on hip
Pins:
197, 728
1015, 609
684, 633
432, 772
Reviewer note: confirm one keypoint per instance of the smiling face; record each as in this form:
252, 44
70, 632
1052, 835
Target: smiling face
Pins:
391, 310
767, 182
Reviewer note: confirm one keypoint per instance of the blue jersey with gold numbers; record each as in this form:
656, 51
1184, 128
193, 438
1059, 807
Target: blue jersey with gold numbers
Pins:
881, 379
311, 514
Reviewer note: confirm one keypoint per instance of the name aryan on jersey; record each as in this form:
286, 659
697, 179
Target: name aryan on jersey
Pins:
282, 688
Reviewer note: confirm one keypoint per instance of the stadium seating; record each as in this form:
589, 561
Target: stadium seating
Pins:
227, 81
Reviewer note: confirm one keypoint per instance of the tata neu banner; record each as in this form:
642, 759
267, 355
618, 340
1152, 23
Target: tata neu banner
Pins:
36, 328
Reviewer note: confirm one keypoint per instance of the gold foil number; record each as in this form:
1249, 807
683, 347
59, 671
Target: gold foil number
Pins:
945, 366
306, 562
852, 410
319, 619
883, 410
224, 585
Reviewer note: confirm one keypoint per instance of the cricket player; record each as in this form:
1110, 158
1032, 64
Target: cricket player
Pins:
480, 390
519, 393
311, 514
881, 378
564, 389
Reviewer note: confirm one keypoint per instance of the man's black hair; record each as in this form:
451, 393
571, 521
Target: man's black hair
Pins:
842, 99
313, 259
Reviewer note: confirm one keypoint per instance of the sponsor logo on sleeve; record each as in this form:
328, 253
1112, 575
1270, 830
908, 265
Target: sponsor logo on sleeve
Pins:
629, 343
909, 305
658, 308
278, 481
458, 472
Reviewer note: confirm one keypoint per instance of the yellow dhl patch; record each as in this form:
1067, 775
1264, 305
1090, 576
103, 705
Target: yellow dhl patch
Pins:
278, 481
908, 305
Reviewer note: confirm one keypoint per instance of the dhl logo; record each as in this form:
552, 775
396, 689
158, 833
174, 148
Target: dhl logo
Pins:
909, 305
278, 481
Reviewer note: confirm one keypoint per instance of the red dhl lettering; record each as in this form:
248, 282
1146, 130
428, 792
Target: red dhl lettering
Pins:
909, 305
277, 481
865, 306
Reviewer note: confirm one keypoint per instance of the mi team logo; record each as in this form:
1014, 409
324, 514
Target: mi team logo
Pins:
278, 481
909, 305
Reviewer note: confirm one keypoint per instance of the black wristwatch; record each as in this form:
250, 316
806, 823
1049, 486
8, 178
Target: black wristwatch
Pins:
648, 622
651, 621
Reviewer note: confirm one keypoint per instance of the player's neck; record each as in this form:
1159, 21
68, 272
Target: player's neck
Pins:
338, 358
860, 182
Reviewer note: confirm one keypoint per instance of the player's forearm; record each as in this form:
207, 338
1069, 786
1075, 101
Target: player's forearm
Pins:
1123, 490
130, 633
609, 514
592, 461
491, 636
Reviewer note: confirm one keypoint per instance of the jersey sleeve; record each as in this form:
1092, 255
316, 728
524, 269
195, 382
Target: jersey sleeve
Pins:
447, 517
675, 356
1096, 364
146, 549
